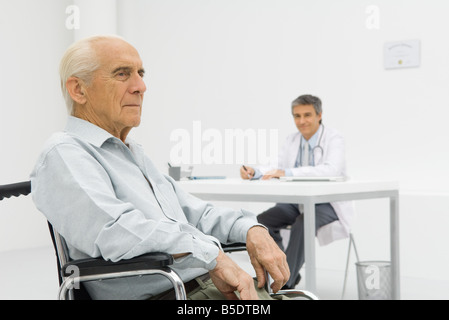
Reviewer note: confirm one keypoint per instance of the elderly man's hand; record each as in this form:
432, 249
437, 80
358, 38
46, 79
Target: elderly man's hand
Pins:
229, 277
266, 254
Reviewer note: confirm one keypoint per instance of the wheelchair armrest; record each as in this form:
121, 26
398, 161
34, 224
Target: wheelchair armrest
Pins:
96, 266
15, 189
233, 247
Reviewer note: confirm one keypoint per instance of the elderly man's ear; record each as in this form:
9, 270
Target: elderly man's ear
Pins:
76, 89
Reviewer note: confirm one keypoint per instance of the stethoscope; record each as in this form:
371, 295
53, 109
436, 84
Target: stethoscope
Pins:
317, 147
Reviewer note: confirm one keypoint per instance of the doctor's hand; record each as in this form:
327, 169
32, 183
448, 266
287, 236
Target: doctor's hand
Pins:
276, 173
228, 277
265, 254
247, 172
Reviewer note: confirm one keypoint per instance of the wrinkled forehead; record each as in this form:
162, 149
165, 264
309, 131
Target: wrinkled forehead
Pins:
113, 53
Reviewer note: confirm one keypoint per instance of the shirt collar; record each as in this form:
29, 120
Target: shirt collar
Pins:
314, 139
88, 131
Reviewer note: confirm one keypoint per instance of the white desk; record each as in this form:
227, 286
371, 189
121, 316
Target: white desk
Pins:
308, 194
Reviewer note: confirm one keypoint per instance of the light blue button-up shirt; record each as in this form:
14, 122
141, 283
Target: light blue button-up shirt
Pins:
313, 141
107, 199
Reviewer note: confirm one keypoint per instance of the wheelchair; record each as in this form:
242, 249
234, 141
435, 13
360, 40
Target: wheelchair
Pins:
73, 273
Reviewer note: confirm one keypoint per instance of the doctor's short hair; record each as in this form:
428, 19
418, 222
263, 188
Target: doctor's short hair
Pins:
80, 61
306, 100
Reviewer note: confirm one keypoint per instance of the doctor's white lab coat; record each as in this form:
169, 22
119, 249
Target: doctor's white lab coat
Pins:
330, 162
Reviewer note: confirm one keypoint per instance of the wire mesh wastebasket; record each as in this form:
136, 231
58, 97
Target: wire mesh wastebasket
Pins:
374, 280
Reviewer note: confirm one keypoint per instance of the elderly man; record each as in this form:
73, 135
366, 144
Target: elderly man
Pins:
106, 198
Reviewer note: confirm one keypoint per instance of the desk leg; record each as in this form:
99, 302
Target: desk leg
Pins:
394, 246
309, 245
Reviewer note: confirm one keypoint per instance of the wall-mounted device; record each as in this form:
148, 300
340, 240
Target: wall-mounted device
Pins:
402, 54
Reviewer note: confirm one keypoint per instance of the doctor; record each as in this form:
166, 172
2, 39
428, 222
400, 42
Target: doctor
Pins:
315, 150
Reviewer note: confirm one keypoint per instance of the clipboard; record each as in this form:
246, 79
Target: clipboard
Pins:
206, 177
293, 179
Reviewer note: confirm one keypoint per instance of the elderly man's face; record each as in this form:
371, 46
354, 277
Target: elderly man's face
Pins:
114, 99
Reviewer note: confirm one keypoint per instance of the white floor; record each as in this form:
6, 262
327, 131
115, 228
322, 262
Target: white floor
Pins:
31, 275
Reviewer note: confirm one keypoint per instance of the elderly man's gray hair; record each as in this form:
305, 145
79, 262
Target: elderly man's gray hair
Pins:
80, 61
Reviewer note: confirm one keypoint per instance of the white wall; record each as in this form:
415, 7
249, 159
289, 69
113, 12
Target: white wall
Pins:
33, 38
239, 64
